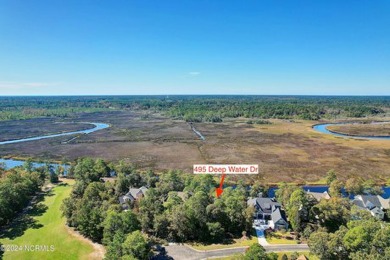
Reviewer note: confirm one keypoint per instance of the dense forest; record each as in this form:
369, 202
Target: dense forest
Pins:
17, 187
93, 208
183, 208
200, 108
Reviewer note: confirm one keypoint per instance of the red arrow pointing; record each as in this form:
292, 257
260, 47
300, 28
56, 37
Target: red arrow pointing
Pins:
219, 190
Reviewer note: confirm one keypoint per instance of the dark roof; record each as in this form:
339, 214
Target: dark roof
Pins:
358, 203
132, 194
264, 205
267, 204
371, 199
277, 215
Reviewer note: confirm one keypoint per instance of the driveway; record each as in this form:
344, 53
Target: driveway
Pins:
261, 236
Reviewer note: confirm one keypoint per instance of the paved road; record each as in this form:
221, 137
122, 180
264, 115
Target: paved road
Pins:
287, 248
182, 252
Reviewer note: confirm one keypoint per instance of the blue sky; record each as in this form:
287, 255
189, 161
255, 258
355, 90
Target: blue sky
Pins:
194, 47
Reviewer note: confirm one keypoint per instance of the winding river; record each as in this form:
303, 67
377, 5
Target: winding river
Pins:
322, 128
98, 126
11, 163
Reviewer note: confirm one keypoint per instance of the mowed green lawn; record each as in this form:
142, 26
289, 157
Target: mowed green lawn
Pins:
50, 230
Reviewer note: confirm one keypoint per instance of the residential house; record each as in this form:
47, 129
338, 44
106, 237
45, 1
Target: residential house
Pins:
269, 209
278, 220
133, 195
318, 196
375, 204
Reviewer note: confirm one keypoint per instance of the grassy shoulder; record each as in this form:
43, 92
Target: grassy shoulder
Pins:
46, 227
234, 243
279, 238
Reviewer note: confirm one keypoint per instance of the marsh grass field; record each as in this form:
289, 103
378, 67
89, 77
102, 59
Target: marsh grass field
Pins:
285, 150
17, 129
367, 129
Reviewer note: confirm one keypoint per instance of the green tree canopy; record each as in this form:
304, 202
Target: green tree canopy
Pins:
136, 245
255, 252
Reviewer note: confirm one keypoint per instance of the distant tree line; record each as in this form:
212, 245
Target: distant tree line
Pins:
199, 108
308, 108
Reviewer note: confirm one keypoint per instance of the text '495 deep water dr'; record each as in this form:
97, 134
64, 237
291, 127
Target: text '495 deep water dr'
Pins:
226, 169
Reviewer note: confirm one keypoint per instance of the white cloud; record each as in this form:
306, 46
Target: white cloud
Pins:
194, 73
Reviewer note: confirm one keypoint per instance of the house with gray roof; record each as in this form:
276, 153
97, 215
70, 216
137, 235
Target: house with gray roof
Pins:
269, 209
318, 196
131, 196
375, 204
278, 220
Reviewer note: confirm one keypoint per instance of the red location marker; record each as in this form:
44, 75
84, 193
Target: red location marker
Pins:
219, 190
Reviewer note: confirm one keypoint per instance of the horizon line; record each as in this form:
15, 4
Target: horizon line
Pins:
119, 95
